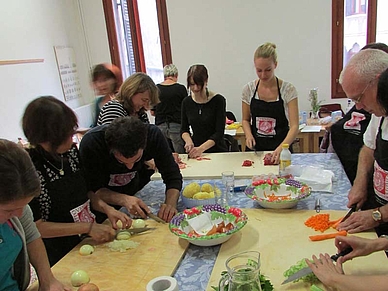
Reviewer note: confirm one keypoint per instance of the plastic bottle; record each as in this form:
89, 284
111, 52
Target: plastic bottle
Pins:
285, 160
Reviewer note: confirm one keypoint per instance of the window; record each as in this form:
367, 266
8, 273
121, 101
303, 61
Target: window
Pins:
353, 26
138, 36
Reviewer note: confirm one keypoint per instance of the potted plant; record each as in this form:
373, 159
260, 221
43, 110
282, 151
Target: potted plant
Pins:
315, 103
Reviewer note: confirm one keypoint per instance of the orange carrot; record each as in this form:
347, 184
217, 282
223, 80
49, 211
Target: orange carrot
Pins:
324, 236
334, 224
318, 222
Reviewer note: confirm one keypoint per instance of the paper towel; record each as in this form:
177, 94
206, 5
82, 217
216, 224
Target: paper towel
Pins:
163, 283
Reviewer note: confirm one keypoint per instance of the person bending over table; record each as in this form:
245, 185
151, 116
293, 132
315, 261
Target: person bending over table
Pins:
114, 156
135, 96
62, 210
332, 275
365, 81
20, 240
205, 112
270, 115
106, 80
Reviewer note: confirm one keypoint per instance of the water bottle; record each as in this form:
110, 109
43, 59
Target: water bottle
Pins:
285, 160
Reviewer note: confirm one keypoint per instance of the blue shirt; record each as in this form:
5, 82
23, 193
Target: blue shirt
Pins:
10, 247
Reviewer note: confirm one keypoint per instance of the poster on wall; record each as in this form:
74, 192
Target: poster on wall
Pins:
68, 72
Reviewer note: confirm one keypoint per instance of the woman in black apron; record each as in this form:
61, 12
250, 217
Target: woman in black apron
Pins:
265, 106
62, 211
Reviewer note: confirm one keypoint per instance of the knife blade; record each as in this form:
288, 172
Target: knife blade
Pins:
135, 230
352, 209
307, 270
156, 218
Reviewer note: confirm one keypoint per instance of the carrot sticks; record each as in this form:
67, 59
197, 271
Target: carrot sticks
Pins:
324, 236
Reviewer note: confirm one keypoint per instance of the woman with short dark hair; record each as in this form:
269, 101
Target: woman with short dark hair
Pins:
62, 210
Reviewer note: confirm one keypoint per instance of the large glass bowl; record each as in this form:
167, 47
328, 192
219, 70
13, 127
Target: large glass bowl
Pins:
233, 219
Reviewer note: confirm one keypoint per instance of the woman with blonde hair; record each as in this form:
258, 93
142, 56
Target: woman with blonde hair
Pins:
137, 94
270, 115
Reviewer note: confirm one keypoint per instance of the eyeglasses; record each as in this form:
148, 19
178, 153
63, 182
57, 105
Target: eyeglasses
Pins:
359, 97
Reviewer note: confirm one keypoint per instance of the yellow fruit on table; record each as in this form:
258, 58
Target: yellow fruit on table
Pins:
203, 195
207, 188
217, 191
191, 189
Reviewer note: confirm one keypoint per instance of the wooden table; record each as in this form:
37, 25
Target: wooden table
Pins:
309, 141
282, 239
220, 162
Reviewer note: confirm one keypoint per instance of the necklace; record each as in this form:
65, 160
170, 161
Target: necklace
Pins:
200, 109
61, 171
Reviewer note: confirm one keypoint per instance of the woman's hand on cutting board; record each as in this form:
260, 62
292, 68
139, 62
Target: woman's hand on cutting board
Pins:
167, 212
325, 269
114, 216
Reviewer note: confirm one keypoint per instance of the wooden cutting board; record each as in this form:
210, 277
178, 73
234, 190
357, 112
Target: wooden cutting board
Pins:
282, 240
220, 162
158, 254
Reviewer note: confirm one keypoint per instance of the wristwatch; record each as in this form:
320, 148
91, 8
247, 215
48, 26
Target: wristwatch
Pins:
376, 215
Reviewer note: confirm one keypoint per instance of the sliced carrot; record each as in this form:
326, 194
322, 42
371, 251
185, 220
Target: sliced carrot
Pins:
333, 222
318, 222
335, 225
324, 236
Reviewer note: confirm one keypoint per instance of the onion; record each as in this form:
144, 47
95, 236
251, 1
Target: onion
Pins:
138, 223
122, 235
79, 277
88, 287
86, 250
119, 224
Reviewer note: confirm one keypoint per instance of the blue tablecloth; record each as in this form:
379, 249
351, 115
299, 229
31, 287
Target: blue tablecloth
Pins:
194, 271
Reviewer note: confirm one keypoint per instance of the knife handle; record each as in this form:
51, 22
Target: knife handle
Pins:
341, 254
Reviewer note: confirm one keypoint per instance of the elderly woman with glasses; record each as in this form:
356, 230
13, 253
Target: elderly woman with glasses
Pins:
364, 80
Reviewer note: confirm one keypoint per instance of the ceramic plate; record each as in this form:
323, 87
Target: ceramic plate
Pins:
227, 220
278, 193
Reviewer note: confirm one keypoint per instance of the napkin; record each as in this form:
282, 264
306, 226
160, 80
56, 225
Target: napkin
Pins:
315, 177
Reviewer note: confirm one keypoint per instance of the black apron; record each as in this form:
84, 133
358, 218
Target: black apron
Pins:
269, 122
69, 203
347, 139
380, 176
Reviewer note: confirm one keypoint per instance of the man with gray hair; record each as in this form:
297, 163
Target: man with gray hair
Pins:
168, 111
360, 81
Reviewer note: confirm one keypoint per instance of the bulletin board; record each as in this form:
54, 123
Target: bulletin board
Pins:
68, 72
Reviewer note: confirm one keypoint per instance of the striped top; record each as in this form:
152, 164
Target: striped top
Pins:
114, 109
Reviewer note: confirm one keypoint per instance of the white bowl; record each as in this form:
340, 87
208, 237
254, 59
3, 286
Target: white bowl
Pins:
180, 227
189, 202
276, 194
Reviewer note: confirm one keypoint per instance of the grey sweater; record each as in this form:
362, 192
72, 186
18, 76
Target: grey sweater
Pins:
28, 232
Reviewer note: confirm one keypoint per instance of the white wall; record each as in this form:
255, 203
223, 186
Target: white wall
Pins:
223, 35
29, 30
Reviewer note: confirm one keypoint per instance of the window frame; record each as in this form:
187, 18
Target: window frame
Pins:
137, 43
338, 41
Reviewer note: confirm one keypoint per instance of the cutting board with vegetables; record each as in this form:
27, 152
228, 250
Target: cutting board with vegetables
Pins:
282, 240
158, 254
212, 165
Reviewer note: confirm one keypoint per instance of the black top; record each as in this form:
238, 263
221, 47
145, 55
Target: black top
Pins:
63, 198
207, 121
169, 108
104, 171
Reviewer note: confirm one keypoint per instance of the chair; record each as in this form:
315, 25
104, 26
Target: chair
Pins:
231, 143
327, 109
230, 115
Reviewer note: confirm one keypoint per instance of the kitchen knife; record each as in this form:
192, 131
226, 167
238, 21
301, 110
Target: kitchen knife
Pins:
351, 210
305, 271
135, 230
154, 217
